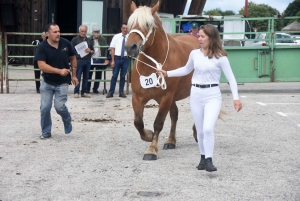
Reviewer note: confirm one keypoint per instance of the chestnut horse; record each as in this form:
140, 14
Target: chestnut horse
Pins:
153, 48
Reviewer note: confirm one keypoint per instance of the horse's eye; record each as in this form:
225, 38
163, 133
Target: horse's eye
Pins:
147, 24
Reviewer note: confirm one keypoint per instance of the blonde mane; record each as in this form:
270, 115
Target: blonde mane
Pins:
142, 16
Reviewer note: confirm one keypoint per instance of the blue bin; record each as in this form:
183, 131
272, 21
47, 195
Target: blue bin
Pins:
186, 27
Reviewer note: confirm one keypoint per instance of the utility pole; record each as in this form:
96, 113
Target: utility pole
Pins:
246, 9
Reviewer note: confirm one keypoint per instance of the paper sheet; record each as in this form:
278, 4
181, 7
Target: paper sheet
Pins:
80, 48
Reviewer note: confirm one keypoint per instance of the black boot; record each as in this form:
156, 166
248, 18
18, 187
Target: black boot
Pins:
209, 166
201, 165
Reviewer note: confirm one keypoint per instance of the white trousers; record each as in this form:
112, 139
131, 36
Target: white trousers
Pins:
205, 105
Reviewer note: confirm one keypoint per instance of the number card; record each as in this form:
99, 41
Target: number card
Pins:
148, 81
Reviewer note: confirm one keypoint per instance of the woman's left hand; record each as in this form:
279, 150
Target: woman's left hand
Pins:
161, 72
237, 105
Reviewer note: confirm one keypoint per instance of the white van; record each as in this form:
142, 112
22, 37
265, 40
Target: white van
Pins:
235, 26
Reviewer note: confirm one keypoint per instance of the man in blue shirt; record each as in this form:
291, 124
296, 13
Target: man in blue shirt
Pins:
53, 56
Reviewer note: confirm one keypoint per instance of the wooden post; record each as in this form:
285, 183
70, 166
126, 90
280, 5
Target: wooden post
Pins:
126, 10
197, 7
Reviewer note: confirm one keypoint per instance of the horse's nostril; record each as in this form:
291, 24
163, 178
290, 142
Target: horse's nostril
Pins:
134, 47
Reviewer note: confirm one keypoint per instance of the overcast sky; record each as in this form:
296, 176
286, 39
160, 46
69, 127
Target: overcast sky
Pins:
236, 5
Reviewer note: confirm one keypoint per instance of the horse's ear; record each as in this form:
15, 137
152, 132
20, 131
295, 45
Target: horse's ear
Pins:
133, 6
155, 8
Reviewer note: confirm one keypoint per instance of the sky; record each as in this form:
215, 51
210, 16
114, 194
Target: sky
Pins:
236, 5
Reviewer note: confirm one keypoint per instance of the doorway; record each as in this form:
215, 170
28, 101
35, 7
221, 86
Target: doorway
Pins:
64, 13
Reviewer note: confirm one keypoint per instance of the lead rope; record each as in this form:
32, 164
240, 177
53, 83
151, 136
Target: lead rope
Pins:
161, 82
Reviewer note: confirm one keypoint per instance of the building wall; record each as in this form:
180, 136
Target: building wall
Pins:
30, 16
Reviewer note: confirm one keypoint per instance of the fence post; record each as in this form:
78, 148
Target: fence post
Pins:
1, 64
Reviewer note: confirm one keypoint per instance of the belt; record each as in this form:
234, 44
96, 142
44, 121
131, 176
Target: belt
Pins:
121, 57
205, 85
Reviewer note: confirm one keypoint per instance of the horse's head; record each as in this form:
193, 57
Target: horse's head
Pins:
140, 25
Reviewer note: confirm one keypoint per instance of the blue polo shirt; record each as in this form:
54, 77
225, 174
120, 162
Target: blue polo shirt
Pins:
57, 58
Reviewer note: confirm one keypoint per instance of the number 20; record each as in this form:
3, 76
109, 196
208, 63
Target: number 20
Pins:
149, 81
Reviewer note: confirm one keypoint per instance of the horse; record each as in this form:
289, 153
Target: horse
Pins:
154, 49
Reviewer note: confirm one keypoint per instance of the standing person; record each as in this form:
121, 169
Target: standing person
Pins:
53, 56
84, 63
194, 30
205, 100
37, 73
119, 61
98, 40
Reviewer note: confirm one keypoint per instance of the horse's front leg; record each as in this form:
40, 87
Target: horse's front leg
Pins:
151, 152
171, 141
138, 108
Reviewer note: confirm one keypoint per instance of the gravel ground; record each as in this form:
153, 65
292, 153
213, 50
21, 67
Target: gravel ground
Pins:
256, 150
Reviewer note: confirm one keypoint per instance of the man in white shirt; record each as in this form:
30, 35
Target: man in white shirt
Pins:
119, 61
98, 40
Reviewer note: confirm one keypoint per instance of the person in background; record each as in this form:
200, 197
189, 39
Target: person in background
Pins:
84, 63
205, 99
99, 52
119, 61
53, 56
37, 73
194, 30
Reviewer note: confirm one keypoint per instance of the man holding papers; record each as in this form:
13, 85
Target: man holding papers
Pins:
84, 51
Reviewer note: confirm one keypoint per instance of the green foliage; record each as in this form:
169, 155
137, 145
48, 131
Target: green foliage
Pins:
262, 10
214, 12
228, 12
218, 12
293, 9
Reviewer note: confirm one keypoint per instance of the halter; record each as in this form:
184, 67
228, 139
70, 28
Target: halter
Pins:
159, 66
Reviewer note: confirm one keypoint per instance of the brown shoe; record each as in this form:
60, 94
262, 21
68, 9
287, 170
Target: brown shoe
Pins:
122, 95
85, 95
109, 95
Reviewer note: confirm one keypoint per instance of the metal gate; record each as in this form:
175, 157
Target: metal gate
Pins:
5, 68
268, 63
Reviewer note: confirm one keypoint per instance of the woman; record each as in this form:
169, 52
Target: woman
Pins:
205, 100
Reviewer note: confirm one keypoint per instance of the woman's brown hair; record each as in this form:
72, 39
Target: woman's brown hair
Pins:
215, 47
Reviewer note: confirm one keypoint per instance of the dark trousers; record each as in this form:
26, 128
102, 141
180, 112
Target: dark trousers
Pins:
83, 69
121, 65
98, 75
37, 75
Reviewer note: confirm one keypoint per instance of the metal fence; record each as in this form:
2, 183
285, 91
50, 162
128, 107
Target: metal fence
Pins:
271, 62
5, 68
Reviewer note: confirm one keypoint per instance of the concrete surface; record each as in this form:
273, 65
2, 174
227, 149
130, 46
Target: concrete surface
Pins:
256, 151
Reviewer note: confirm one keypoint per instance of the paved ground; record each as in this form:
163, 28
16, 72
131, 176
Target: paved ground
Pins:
256, 151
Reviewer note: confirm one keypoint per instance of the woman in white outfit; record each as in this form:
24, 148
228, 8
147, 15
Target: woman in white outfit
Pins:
205, 100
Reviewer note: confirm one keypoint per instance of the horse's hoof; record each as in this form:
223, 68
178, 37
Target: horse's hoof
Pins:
149, 157
169, 146
196, 140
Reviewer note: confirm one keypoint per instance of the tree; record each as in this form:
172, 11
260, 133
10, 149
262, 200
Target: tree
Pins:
262, 10
292, 10
215, 12
228, 12
218, 12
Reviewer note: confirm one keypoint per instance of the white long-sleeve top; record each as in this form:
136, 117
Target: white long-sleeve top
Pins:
207, 71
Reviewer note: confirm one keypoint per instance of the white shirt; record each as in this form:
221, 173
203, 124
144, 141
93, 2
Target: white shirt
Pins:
116, 43
207, 71
96, 49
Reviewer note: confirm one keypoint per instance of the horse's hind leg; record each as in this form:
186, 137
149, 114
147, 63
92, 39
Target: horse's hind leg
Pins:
171, 141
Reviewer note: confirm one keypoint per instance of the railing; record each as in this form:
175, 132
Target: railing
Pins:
5, 72
265, 63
